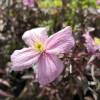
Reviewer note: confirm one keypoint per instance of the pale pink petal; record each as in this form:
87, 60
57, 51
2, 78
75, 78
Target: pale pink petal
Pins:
98, 2
60, 42
37, 34
29, 3
49, 67
89, 42
23, 59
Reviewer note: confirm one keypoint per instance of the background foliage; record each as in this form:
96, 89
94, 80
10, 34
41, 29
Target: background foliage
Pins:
15, 19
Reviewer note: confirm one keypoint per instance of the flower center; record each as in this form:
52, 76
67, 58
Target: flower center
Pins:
39, 47
97, 41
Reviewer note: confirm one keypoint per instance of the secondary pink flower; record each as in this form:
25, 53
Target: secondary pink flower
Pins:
98, 2
42, 52
92, 43
29, 3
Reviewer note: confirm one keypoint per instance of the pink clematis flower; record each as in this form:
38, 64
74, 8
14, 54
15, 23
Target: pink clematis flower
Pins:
92, 43
42, 52
29, 3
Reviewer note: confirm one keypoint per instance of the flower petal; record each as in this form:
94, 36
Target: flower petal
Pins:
60, 42
49, 67
89, 42
29, 3
37, 34
98, 2
23, 59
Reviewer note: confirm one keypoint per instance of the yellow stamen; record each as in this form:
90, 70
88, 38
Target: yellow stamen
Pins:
39, 47
97, 41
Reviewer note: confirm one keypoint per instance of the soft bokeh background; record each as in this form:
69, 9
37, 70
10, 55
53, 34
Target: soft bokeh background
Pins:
16, 18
